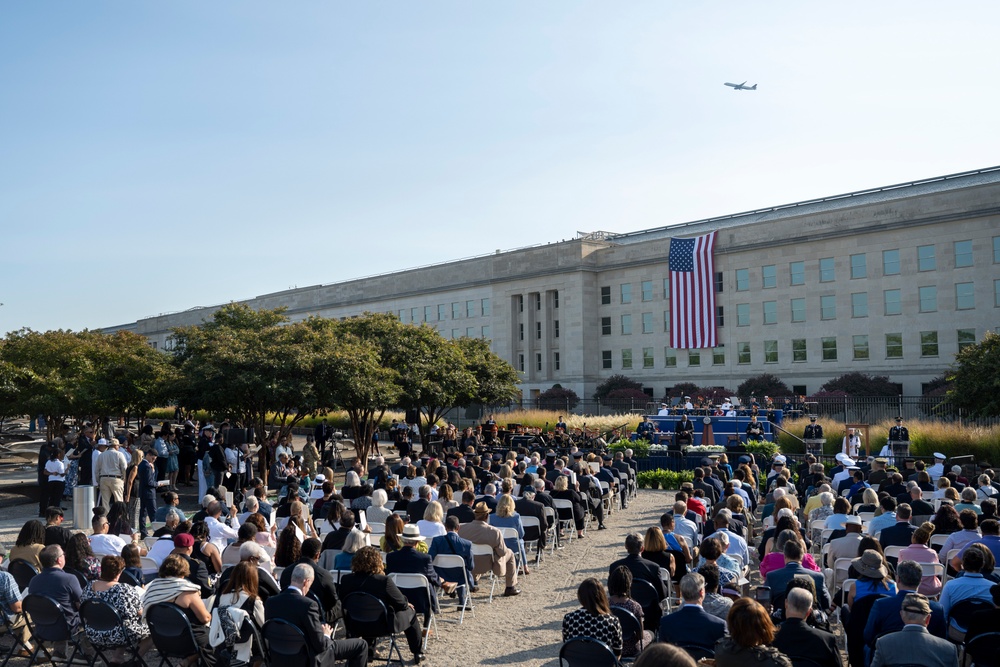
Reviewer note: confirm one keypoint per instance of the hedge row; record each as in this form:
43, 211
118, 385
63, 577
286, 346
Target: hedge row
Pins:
663, 479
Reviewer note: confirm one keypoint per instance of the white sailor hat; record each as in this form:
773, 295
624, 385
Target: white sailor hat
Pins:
848, 462
840, 457
939, 455
780, 458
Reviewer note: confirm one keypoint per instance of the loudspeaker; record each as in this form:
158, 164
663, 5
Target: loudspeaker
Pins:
240, 436
413, 416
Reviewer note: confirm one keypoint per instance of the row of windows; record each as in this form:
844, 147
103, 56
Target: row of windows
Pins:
556, 362
538, 330
459, 310
536, 299
860, 350
471, 332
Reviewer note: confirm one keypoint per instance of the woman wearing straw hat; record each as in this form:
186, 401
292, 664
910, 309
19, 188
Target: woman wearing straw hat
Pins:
873, 577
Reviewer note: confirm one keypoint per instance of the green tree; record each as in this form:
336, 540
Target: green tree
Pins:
975, 381
558, 398
495, 379
614, 382
131, 378
859, 384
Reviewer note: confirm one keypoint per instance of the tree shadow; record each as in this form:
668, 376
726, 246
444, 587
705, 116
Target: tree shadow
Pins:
533, 653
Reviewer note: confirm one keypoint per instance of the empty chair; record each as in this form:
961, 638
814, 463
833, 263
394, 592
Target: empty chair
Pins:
587, 652
22, 571
172, 633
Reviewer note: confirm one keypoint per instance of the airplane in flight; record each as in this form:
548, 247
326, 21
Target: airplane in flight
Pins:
742, 86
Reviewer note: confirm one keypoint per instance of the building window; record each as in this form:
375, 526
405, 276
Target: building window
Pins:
769, 276
894, 346
555, 328
428, 313
486, 331
963, 254
860, 347
414, 315
647, 323
606, 359
720, 316
742, 280
827, 272
928, 299
520, 362
538, 330
520, 331
828, 307
626, 292
925, 258
538, 301
694, 358
859, 304
829, 346
555, 361
605, 295
893, 302
647, 290
605, 326
153, 344
485, 303
666, 320
859, 266
720, 282
890, 262
996, 249
798, 310
442, 313
404, 315
770, 351
470, 331
770, 312
647, 357
470, 309
455, 310
797, 273
455, 333
626, 325
538, 362
669, 357
996, 293
928, 344
627, 358
743, 314
719, 355
966, 337
743, 353
555, 298
799, 350
965, 296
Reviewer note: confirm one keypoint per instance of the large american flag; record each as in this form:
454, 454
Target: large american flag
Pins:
692, 292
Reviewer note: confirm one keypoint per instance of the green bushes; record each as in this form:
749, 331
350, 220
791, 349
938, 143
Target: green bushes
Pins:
337, 420
663, 479
640, 448
762, 450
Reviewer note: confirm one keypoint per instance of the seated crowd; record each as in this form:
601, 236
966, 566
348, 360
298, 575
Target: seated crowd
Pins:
904, 566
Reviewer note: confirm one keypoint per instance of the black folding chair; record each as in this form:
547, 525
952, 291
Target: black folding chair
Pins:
697, 652
587, 652
172, 634
647, 597
367, 617
7, 626
960, 615
285, 644
80, 576
47, 623
99, 616
128, 578
984, 649
22, 571
631, 627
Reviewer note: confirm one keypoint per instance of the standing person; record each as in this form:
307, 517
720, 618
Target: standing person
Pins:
321, 435
110, 470
162, 453
146, 474
55, 472
132, 489
173, 459
188, 454
44, 453
851, 445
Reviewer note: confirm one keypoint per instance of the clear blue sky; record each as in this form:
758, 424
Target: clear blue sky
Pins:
156, 156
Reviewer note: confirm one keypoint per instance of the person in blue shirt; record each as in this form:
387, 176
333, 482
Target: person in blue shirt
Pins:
972, 585
990, 528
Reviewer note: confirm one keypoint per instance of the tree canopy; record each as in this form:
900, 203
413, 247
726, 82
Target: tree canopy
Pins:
614, 382
558, 398
762, 385
975, 381
859, 384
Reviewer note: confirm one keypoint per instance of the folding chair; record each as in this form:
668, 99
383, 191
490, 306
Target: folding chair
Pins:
127, 578
327, 557
285, 644
532, 535
149, 566
644, 594
417, 589
47, 623
552, 531
172, 635
510, 537
566, 523
367, 617
99, 616
937, 541
15, 633
984, 649
486, 550
698, 652
587, 652
451, 567
22, 571
631, 627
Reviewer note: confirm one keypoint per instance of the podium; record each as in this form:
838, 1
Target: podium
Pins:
900, 449
814, 446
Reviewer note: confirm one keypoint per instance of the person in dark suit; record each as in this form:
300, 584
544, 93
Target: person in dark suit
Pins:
919, 506
901, 534
914, 644
489, 497
642, 569
684, 431
367, 576
415, 510
777, 580
796, 638
464, 512
700, 483
884, 615
691, 625
322, 434
526, 505
147, 490
323, 585
294, 605
335, 538
450, 544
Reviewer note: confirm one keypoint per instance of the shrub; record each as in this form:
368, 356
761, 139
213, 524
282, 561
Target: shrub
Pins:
762, 450
614, 382
663, 479
624, 400
558, 398
859, 384
640, 448
681, 389
762, 385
